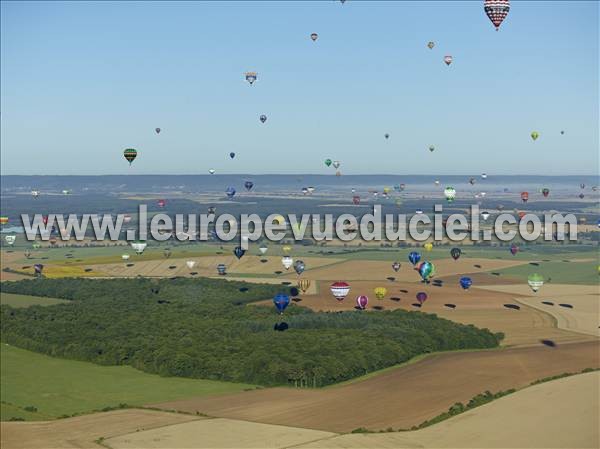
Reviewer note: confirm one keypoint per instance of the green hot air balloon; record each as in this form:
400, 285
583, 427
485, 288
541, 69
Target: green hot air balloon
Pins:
535, 135
535, 281
328, 162
130, 154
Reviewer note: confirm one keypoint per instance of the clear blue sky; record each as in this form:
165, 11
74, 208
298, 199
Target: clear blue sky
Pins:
82, 81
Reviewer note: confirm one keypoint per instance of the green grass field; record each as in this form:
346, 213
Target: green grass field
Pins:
58, 387
559, 272
17, 301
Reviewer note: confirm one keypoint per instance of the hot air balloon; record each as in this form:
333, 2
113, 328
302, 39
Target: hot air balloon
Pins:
472, 181
125, 256
38, 268
299, 267
421, 297
221, 269
314, 36
286, 249
263, 118
386, 135
281, 301
430, 45
545, 192
582, 186
380, 292
304, 285
362, 301
161, 203
414, 257
251, 77
130, 154
139, 246
339, 290
328, 162
232, 155
190, 264
581, 196
211, 171
465, 282
239, 252
304, 190
450, 194
248, 185
356, 200
157, 130
496, 10
524, 196
311, 189
535, 281
10, 239
287, 262
336, 164
431, 148
535, 135
455, 253
426, 270
428, 246
448, 59
3, 220
483, 176
485, 215
263, 249
167, 253
396, 266
230, 192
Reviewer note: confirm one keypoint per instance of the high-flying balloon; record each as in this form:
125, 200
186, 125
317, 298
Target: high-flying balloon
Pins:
157, 130
545, 192
428, 246
3, 220
125, 256
167, 253
230, 192
535, 135
386, 135
496, 10
328, 162
263, 118
450, 194
455, 253
380, 292
232, 155
339, 290
362, 301
430, 45
281, 301
251, 77
465, 282
535, 281
161, 203
248, 185
431, 148
448, 59
414, 257
130, 154
483, 176
10, 239
336, 164
38, 268
211, 171
263, 249
314, 36
239, 252
396, 266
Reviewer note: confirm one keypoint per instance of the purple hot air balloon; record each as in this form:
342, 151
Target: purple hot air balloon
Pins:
421, 297
362, 301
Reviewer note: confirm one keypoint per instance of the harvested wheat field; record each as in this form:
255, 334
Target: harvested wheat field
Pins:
558, 414
82, 431
217, 433
367, 270
480, 307
401, 397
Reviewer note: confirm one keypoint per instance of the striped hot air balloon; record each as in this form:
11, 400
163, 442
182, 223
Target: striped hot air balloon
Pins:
339, 290
362, 301
496, 10
304, 285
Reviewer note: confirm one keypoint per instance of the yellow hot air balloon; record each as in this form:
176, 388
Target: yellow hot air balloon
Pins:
387, 189
286, 249
304, 285
380, 292
428, 246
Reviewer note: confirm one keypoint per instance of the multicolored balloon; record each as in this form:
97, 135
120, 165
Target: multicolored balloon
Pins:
221, 269
339, 290
396, 266
281, 301
130, 154
426, 271
448, 59
299, 267
535, 281
414, 257
496, 10
450, 194
362, 301
251, 77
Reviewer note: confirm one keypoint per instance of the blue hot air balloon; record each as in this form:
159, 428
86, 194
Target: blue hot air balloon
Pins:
414, 257
465, 282
248, 185
232, 155
281, 301
230, 192
239, 252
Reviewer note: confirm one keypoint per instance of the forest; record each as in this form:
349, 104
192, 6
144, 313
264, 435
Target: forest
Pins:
209, 328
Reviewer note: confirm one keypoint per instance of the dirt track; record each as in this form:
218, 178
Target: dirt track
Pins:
402, 397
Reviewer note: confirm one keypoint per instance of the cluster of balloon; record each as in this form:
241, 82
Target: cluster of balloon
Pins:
450, 194
314, 36
10, 239
299, 267
287, 262
251, 77
339, 290
38, 268
139, 246
130, 154
190, 264
421, 297
281, 301
230, 192
535, 281
248, 185
465, 282
362, 301
396, 266
303, 285
414, 257
239, 252
455, 253
380, 292
221, 269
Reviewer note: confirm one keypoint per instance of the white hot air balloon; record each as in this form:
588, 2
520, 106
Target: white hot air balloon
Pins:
139, 247
125, 256
190, 264
10, 239
263, 249
287, 262
485, 215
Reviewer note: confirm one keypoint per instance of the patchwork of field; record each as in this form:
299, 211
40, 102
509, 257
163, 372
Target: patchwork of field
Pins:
402, 397
17, 301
